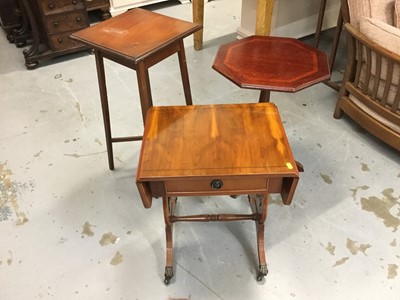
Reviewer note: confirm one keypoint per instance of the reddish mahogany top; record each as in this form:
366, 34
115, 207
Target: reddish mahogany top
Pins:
272, 63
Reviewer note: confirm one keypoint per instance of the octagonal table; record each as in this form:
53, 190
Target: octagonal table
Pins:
271, 64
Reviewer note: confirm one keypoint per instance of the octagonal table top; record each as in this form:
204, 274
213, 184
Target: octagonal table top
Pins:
272, 63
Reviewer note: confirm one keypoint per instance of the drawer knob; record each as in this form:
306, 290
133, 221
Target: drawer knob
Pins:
78, 19
216, 184
51, 5
55, 24
74, 2
60, 40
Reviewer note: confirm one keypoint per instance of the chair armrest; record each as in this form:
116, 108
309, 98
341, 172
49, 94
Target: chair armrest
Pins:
379, 36
371, 78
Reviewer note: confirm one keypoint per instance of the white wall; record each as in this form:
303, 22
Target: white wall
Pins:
291, 18
120, 6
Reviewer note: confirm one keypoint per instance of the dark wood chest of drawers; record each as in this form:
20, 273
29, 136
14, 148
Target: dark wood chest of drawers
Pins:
8, 14
10, 18
52, 21
102, 5
59, 19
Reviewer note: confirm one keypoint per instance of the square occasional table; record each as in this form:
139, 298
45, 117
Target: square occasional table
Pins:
137, 39
208, 150
270, 63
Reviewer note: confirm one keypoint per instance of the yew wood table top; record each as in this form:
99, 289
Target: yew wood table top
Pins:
272, 63
229, 149
184, 148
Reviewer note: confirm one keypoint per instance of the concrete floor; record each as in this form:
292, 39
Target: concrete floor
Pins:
72, 229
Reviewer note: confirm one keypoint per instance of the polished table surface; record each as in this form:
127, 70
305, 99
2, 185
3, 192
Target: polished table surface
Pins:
135, 34
271, 63
233, 141
226, 149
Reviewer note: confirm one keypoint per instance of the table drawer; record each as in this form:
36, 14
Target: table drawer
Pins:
66, 22
59, 6
221, 186
61, 41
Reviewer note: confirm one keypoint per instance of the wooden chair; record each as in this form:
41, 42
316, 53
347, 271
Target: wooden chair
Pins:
370, 93
335, 43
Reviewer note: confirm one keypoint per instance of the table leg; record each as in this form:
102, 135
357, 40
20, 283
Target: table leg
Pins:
146, 101
264, 96
184, 73
198, 17
104, 106
168, 207
299, 166
335, 44
321, 14
259, 206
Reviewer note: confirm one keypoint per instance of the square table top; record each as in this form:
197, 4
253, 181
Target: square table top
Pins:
214, 140
135, 34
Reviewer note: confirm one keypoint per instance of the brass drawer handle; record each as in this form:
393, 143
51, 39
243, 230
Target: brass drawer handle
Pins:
216, 184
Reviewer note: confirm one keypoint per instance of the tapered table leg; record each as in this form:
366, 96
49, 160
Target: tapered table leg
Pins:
168, 207
184, 73
143, 79
319, 23
262, 263
104, 106
169, 273
259, 206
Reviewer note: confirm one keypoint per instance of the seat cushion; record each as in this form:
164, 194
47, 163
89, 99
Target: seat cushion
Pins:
382, 10
397, 14
389, 38
381, 33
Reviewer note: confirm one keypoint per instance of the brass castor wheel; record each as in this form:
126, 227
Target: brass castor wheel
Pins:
262, 272
168, 275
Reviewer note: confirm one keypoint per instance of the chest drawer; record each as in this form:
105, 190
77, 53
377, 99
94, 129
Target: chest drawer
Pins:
61, 41
59, 6
66, 22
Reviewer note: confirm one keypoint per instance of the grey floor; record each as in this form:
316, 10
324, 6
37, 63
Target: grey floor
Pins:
72, 229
